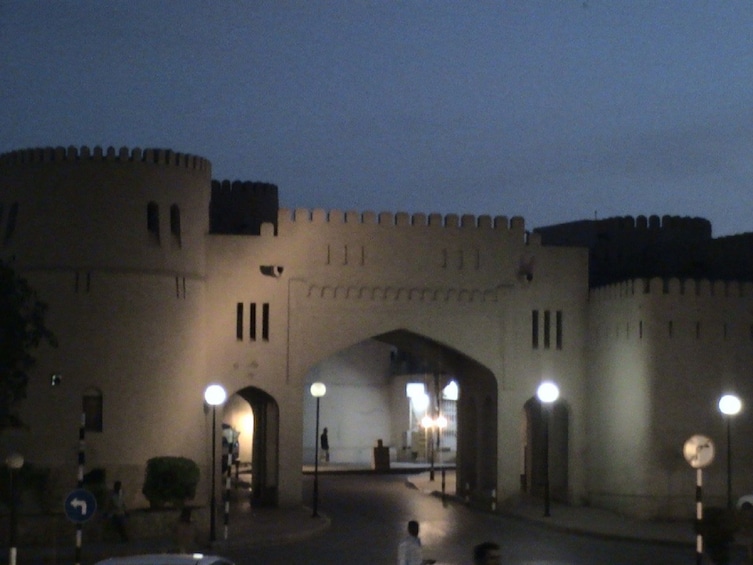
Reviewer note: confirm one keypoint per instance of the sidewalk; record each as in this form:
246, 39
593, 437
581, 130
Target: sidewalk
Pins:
575, 519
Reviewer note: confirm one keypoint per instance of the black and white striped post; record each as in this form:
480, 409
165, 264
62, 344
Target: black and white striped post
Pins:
699, 452
698, 516
228, 478
14, 461
80, 481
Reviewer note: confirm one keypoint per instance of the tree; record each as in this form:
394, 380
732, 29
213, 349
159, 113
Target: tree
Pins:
22, 330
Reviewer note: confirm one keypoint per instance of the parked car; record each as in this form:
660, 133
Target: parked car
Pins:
167, 559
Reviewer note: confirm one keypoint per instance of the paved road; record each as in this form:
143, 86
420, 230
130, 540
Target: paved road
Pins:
369, 513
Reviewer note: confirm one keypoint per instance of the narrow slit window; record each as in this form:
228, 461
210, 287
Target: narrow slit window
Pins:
252, 321
152, 221
640, 329
558, 329
547, 328
239, 321
12, 217
92, 408
265, 321
535, 329
175, 224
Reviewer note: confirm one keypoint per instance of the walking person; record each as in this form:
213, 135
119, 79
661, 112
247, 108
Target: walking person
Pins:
117, 512
324, 443
409, 551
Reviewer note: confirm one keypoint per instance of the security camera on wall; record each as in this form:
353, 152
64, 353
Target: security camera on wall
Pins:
271, 270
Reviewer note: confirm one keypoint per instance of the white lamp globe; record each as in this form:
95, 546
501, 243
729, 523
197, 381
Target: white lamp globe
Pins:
548, 392
318, 390
730, 404
215, 395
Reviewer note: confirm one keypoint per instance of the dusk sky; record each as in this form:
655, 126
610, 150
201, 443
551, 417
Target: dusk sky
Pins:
554, 110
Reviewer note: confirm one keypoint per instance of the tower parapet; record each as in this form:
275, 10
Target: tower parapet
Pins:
123, 155
105, 209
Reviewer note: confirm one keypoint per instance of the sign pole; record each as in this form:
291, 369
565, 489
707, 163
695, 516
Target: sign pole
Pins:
698, 517
699, 453
80, 482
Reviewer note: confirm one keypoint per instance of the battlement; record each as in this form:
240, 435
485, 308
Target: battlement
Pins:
403, 294
338, 217
701, 288
626, 227
165, 157
654, 222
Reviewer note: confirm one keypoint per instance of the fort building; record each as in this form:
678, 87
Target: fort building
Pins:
161, 281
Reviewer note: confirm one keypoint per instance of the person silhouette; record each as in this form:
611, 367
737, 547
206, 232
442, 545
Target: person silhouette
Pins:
324, 443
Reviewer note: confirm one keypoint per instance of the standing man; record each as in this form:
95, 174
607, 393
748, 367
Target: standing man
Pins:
116, 510
324, 439
409, 551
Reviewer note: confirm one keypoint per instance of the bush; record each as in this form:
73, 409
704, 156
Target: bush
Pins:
170, 480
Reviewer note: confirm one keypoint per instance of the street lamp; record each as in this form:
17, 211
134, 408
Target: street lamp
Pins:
214, 395
317, 391
729, 405
428, 423
548, 392
14, 461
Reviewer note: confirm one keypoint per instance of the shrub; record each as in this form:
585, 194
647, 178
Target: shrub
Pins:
170, 480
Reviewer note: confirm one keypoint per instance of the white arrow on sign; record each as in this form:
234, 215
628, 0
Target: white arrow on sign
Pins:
78, 503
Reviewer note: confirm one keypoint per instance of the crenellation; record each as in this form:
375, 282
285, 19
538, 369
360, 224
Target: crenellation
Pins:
468, 221
501, 223
319, 216
517, 224
386, 219
336, 217
369, 218
419, 219
353, 217
402, 219
452, 221
485, 222
435, 220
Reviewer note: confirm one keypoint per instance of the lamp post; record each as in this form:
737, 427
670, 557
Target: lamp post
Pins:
317, 391
214, 395
428, 423
14, 461
548, 392
729, 405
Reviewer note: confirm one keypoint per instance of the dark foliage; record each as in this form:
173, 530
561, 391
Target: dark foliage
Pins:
170, 480
22, 330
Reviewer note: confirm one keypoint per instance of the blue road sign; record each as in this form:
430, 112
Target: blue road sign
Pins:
80, 505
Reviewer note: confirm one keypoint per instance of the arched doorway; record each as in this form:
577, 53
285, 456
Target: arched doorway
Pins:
264, 445
533, 476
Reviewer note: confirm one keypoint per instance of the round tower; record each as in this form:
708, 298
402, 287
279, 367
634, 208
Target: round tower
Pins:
114, 242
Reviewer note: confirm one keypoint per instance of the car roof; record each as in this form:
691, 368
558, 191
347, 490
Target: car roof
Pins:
167, 559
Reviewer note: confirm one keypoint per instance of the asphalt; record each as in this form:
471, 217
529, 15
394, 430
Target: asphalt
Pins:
252, 526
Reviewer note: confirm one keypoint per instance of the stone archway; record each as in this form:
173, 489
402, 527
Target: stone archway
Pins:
358, 416
265, 450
